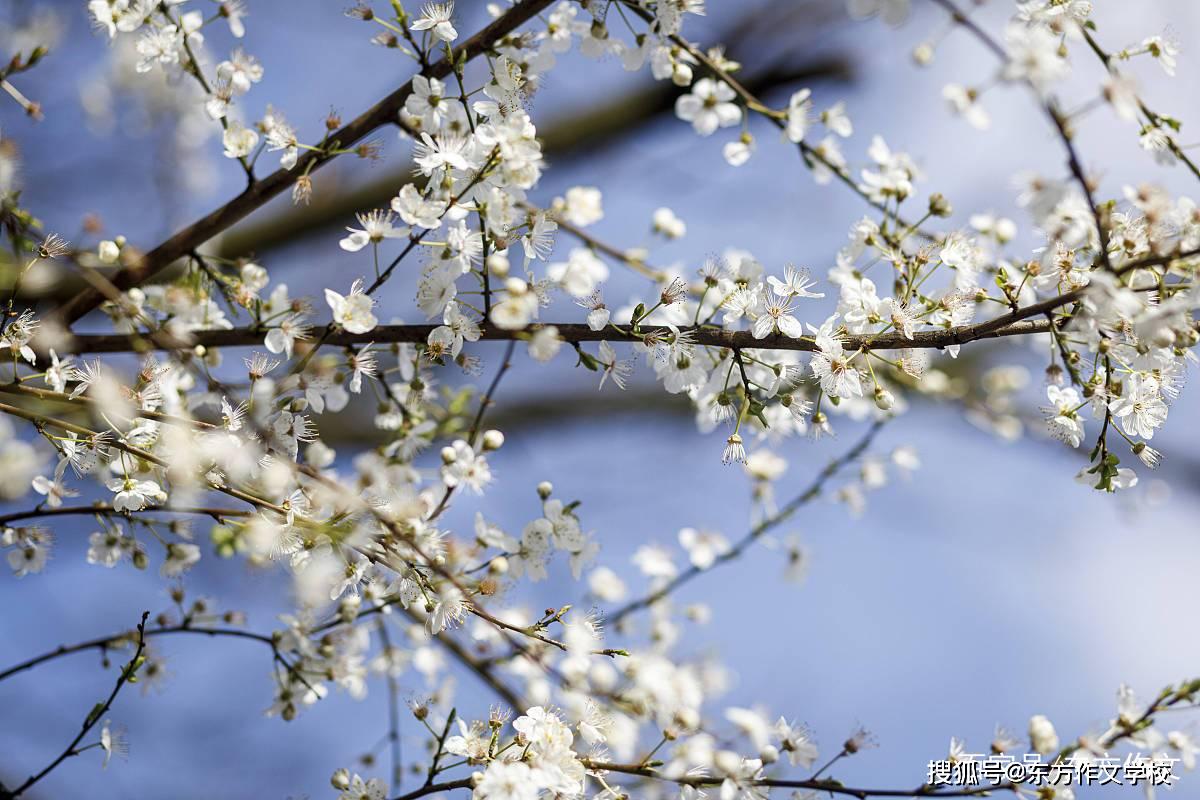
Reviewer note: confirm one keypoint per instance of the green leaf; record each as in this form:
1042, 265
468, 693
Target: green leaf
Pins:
588, 360
94, 715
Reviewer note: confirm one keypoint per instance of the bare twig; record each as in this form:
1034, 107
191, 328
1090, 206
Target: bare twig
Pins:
107, 642
755, 533
393, 690
1056, 117
128, 673
108, 511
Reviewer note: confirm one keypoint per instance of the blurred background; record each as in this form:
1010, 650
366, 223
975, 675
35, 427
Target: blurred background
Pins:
988, 588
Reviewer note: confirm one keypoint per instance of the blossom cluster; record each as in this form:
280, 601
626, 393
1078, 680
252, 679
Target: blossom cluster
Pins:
187, 449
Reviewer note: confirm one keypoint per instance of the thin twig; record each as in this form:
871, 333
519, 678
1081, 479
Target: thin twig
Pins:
107, 642
393, 690
441, 745
1056, 117
70, 427
473, 434
755, 533
128, 673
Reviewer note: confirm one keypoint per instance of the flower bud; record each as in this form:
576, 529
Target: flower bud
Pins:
341, 779
688, 719
769, 754
492, 440
545, 489
1164, 337
923, 54
448, 455
497, 264
939, 206
348, 608
884, 400
681, 73
108, 252
1042, 736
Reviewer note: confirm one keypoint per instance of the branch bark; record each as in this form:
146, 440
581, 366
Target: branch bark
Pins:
256, 195
1007, 325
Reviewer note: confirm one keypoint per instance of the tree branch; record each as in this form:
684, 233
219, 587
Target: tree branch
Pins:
257, 194
828, 785
106, 510
461, 783
106, 642
758, 530
99, 710
1007, 325
1060, 122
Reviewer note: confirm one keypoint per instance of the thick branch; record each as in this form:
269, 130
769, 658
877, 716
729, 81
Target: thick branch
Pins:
1007, 325
461, 783
382, 113
108, 511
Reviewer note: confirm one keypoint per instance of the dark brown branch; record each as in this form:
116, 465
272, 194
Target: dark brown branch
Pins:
441, 746
822, 785
1007, 325
382, 113
461, 783
109, 511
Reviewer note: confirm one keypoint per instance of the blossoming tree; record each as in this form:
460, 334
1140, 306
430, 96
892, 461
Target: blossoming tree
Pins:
195, 415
